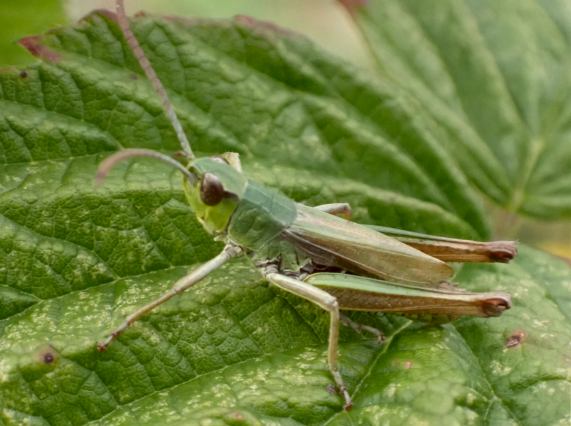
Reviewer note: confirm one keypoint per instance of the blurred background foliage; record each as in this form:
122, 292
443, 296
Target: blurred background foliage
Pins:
324, 21
20, 18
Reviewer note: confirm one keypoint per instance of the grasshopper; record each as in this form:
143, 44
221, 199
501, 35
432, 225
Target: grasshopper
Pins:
313, 252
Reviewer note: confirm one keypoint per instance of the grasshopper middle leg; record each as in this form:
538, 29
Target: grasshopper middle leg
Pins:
325, 301
181, 285
359, 328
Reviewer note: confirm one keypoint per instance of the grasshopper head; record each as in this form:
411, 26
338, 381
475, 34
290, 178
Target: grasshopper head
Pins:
216, 192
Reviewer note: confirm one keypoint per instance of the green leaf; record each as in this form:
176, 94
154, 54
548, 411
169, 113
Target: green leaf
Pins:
493, 76
75, 260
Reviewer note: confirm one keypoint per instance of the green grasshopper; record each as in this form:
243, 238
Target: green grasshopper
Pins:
313, 252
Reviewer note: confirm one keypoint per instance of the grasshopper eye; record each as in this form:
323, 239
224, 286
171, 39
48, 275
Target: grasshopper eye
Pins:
211, 190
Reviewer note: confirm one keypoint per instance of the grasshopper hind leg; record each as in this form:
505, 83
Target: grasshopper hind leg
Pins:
325, 301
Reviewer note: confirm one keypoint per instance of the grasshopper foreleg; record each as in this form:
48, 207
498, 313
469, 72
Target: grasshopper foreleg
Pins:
337, 209
325, 301
181, 285
359, 328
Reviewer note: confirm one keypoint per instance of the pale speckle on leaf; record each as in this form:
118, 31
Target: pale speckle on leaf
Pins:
499, 369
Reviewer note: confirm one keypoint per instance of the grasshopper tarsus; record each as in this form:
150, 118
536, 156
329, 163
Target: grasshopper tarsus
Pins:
102, 346
342, 388
334, 390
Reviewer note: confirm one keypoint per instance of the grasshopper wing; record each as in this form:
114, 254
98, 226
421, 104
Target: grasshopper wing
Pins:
333, 241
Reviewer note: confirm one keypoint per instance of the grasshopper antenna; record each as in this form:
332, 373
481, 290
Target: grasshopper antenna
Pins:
153, 78
110, 162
